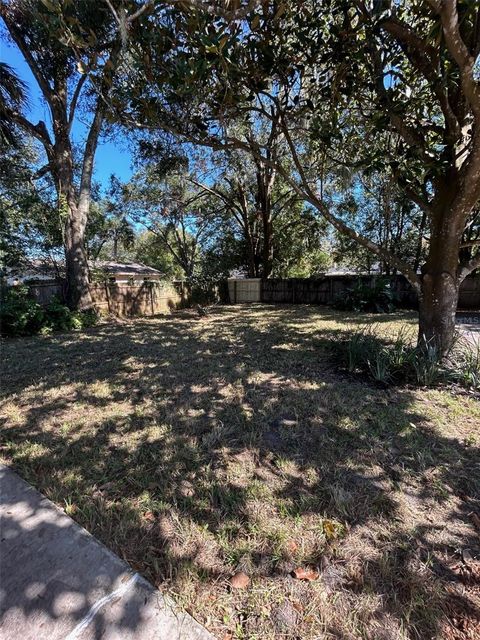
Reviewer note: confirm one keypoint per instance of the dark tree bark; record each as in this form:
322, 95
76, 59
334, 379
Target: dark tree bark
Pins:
265, 179
437, 308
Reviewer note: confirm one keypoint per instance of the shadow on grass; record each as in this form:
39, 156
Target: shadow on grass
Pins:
201, 424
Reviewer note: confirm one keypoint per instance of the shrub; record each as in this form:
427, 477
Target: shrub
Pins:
60, 318
20, 314
401, 361
379, 366
89, 318
377, 297
467, 364
427, 367
360, 348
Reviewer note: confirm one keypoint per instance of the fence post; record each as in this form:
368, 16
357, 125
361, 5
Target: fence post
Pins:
107, 296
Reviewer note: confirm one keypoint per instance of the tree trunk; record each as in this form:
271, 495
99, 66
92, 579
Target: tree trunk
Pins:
76, 265
437, 309
267, 246
250, 249
252, 271
264, 204
440, 282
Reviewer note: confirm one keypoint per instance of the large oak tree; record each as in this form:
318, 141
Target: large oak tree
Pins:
383, 84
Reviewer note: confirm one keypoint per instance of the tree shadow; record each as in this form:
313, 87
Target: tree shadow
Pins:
215, 440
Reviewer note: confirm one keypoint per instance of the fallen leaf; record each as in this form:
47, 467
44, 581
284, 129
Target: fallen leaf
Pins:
240, 580
329, 529
305, 573
292, 546
107, 485
148, 516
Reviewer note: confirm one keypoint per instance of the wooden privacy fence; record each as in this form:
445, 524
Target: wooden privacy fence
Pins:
43, 292
328, 289
245, 290
146, 299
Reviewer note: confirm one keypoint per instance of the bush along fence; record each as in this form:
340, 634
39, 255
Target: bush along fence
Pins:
330, 289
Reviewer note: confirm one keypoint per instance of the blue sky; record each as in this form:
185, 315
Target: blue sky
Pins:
111, 156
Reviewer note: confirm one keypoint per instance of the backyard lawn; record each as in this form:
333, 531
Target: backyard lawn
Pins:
199, 447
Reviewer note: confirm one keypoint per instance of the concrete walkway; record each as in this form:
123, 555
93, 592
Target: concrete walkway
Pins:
58, 582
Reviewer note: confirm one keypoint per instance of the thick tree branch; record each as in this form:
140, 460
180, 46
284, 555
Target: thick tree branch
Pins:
447, 11
74, 100
469, 267
421, 55
38, 131
96, 125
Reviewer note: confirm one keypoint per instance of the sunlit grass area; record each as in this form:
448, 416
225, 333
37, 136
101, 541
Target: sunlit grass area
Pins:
196, 448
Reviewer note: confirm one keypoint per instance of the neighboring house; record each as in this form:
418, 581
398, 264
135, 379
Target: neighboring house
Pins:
336, 270
125, 272
44, 271
120, 272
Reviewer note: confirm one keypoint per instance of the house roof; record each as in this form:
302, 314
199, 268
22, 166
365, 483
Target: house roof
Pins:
44, 270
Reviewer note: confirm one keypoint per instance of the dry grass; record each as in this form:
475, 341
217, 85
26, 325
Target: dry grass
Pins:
196, 448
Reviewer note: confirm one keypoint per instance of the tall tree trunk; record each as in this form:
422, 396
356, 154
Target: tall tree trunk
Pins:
252, 268
265, 180
267, 245
437, 309
440, 284
250, 249
74, 213
76, 265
